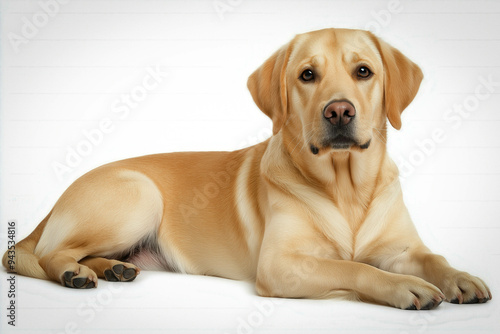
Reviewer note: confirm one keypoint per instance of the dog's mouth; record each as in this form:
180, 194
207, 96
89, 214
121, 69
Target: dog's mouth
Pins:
339, 142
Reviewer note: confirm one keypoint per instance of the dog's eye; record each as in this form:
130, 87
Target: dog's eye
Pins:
364, 72
307, 75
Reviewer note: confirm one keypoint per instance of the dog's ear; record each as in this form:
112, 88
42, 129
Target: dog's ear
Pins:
268, 86
402, 78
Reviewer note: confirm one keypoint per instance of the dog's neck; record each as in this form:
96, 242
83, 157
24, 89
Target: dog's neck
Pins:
343, 176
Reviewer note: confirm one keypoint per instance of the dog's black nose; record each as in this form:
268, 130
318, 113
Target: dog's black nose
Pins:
339, 112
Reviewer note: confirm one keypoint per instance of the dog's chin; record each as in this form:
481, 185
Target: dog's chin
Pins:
340, 143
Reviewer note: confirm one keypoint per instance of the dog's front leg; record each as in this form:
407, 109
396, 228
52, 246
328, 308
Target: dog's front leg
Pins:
297, 262
458, 286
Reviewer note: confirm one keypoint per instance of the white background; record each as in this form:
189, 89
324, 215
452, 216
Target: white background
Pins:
70, 73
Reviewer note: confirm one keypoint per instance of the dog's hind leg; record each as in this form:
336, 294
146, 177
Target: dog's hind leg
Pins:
107, 213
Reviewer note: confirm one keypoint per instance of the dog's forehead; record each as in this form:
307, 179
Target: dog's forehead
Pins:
353, 45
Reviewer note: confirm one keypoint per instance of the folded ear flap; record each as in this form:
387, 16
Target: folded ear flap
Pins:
268, 87
402, 79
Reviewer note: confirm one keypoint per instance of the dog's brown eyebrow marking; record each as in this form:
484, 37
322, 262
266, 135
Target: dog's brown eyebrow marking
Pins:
353, 57
317, 61
314, 61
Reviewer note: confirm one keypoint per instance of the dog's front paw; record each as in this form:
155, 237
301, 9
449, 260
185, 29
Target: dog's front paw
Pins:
413, 293
461, 288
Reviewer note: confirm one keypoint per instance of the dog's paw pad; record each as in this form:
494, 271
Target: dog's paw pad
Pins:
79, 282
118, 269
476, 300
110, 276
121, 273
68, 275
71, 279
432, 304
129, 273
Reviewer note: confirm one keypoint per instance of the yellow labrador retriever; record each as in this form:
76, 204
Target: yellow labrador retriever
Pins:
315, 211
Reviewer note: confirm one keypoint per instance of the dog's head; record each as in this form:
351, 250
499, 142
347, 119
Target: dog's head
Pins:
332, 88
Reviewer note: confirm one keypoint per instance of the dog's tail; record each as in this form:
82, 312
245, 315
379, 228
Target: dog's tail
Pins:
22, 259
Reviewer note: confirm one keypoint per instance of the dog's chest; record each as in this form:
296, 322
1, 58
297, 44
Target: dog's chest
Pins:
343, 218
357, 223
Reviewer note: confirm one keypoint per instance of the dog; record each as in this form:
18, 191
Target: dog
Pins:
315, 211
